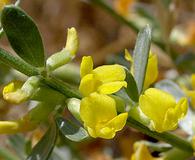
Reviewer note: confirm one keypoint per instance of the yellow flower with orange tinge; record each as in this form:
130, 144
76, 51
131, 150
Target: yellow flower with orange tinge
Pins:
142, 153
99, 114
151, 70
106, 79
122, 6
162, 109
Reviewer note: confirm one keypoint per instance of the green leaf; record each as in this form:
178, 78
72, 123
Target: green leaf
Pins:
140, 57
131, 89
71, 130
45, 146
23, 35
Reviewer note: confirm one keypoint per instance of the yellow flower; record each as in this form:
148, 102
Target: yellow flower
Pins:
13, 127
161, 108
142, 153
122, 6
191, 93
99, 114
106, 79
151, 70
16, 92
67, 53
3, 3
13, 93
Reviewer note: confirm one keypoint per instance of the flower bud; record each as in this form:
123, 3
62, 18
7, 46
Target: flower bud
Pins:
66, 54
17, 93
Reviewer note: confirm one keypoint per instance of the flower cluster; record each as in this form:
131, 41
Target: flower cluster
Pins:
98, 110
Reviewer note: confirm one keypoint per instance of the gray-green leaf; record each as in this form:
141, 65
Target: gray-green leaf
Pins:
140, 56
131, 89
45, 146
23, 35
71, 130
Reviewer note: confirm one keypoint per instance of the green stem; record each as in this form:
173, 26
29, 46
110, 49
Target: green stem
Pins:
165, 136
62, 87
17, 63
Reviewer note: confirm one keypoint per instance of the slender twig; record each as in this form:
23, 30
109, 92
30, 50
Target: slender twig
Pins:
165, 136
17, 63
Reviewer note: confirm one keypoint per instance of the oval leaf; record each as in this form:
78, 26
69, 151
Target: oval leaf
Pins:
45, 146
23, 35
71, 130
140, 56
131, 89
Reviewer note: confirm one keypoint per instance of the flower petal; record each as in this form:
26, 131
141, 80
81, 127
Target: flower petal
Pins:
181, 108
118, 122
128, 56
112, 87
88, 85
13, 93
151, 71
106, 133
154, 103
109, 73
97, 109
86, 66
91, 132
109, 130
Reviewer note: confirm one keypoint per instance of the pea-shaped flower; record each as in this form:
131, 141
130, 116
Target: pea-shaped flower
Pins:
106, 79
16, 92
162, 109
99, 114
